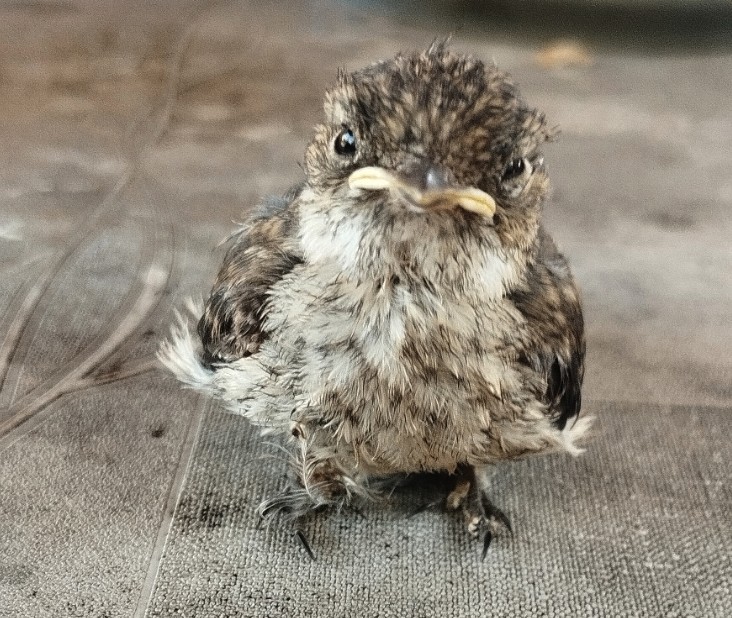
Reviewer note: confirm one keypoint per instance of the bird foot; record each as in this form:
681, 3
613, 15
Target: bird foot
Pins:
296, 504
482, 517
488, 521
293, 507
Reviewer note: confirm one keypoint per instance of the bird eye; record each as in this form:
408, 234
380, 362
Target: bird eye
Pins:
345, 142
513, 169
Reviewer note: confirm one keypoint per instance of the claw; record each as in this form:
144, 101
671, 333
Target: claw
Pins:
421, 509
304, 542
494, 513
486, 543
501, 516
269, 508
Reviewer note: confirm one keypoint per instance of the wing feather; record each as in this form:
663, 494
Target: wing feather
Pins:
259, 255
550, 302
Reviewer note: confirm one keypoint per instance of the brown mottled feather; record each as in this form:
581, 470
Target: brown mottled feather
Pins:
550, 302
259, 254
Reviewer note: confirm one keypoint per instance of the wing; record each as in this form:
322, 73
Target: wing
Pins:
556, 348
259, 255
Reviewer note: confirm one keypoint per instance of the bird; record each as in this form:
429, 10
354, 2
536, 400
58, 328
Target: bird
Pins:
402, 310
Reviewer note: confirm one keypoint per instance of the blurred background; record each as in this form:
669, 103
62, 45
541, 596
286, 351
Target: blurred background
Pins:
136, 134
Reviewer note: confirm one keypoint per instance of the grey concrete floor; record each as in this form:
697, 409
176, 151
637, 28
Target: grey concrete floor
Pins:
134, 133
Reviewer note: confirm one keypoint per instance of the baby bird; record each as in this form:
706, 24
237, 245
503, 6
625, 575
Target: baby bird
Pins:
402, 310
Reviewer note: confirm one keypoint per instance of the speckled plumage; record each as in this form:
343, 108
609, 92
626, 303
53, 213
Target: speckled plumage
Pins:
381, 336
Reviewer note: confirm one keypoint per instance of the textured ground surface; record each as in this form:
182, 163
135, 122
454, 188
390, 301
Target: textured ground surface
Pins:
133, 133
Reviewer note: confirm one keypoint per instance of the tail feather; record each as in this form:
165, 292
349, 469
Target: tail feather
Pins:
574, 433
182, 357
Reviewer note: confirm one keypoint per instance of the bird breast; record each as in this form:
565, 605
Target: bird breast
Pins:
408, 372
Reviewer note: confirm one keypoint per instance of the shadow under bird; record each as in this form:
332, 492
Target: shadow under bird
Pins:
402, 310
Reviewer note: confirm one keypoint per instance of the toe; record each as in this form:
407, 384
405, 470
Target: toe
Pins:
457, 496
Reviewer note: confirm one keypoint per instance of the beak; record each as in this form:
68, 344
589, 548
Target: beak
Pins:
430, 195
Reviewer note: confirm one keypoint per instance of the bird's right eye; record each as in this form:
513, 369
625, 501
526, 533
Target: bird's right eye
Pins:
345, 143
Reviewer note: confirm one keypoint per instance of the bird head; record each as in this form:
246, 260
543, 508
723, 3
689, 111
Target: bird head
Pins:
431, 160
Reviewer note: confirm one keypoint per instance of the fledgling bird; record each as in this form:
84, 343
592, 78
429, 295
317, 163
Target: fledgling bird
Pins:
402, 310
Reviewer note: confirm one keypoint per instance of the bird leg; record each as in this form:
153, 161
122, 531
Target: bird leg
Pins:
481, 515
314, 484
297, 502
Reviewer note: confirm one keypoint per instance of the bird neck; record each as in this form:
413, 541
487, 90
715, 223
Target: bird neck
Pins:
362, 244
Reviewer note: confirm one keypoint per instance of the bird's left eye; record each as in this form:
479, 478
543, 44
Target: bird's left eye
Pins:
515, 176
345, 142
513, 169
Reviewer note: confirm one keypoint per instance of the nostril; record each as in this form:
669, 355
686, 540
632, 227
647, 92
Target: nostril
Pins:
424, 175
435, 178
